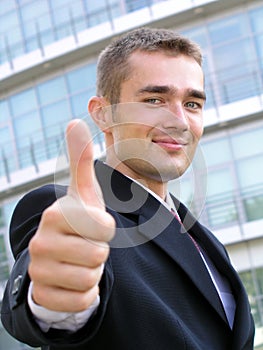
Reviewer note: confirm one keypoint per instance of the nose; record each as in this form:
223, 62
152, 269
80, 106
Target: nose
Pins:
176, 117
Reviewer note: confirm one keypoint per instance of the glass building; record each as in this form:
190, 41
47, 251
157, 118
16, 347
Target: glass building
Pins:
48, 55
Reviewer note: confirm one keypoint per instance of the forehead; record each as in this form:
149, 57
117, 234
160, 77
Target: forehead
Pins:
160, 68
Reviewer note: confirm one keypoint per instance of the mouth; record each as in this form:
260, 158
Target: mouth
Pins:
169, 144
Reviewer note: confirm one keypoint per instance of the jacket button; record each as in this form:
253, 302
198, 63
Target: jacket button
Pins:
16, 285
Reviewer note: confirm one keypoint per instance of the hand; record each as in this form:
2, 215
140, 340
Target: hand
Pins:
71, 243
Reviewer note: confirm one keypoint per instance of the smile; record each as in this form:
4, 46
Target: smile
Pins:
170, 144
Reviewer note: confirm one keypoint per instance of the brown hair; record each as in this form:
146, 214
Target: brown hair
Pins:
113, 66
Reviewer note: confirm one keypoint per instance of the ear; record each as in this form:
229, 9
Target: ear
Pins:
100, 111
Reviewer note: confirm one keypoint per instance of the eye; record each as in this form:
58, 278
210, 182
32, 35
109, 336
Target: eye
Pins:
153, 101
193, 105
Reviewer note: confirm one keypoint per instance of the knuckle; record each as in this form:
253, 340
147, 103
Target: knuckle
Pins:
35, 245
39, 295
89, 280
87, 298
50, 215
31, 271
100, 254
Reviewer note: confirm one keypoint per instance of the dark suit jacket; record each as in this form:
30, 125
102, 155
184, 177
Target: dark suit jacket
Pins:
156, 293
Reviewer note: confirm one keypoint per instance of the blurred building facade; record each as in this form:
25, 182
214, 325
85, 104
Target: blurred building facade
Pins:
48, 55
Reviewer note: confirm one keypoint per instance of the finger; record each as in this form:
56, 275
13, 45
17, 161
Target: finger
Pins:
72, 277
70, 249
65, 300
83, 182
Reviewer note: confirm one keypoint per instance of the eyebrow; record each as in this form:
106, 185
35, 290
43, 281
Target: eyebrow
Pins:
166, 89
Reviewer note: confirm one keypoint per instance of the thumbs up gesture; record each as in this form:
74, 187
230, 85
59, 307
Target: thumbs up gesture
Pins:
71, 243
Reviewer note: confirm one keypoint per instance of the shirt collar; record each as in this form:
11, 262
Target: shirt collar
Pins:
168, 202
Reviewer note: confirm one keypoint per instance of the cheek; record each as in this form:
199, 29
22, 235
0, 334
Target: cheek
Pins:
131, 131
197, 129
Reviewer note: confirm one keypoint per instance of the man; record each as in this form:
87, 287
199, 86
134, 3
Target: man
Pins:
114, 261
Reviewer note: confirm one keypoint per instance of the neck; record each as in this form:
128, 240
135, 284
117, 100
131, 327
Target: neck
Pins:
154, 185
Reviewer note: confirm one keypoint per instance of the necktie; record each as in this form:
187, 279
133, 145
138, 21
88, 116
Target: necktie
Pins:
175, 214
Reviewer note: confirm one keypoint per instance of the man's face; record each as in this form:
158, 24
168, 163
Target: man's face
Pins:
158, 122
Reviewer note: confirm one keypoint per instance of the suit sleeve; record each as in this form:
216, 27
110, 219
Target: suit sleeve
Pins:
15, 313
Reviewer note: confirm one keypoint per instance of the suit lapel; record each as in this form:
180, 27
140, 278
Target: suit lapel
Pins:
243, 324
174, 240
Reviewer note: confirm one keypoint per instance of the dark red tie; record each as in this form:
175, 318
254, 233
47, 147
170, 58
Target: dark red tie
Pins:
175, 214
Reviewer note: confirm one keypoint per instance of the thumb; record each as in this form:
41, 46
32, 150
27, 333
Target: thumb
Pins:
83, 183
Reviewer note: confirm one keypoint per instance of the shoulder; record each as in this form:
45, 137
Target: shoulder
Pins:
40, 198
28, 211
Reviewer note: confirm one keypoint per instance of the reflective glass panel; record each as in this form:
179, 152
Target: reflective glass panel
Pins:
79, 103
54, 118
248, 143
52, 90
95, 5
27, 129
259, 48
34, 9
5, 141
7, 6
219, 182
226, 29
256, 16
198, 35
4, 111
216, 151
7, 159
234, 55
82, 78
9, 21
250, 171
253, 282
23, 102
60, 3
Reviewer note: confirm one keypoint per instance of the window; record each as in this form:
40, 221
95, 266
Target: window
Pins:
8, 21
198, 34
250, 178
250, 171
33, 10
247, 143
256, 16
2, 219
4, 111
52, 90
221, 207
253, 282
7, 160
259, 48
55, 117
133, 5
254, 207
93, 6
82, 79
79, 103
6, 6
46, 32
227, 29
4, 268
236, 76
23, 102
216, 151
29, 138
